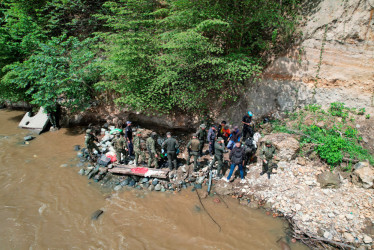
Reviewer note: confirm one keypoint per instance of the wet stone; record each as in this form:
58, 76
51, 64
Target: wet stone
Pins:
28, 138
158, 187
96, 214
125, 182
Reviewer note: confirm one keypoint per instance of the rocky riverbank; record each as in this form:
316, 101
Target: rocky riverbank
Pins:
332, 207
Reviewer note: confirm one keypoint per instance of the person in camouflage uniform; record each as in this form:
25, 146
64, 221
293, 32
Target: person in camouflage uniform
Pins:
267, 155
138, 148
120, 146
151, 147
171, 145
201, 135
219, 148
193, 150
90, 142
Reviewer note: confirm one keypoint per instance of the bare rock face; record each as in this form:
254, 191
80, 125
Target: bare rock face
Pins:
329, 180
364, 177
337, 45
287, 146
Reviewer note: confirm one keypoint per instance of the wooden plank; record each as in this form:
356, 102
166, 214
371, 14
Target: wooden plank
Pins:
139, 171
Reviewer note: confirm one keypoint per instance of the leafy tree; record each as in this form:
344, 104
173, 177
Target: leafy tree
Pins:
179, 54
61, 70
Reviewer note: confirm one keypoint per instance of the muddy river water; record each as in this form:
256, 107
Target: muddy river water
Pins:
45, 204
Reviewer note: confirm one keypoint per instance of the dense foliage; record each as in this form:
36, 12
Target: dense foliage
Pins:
174, 55
335, 141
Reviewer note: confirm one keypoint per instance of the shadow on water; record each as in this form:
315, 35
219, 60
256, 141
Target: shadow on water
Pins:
74, 131
16, 118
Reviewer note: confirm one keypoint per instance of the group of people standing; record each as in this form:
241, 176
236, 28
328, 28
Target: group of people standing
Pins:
220, 138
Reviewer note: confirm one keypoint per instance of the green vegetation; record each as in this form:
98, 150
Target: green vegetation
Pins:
334, 140
156, 56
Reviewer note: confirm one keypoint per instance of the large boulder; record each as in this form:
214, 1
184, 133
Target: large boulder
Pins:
287, 146
363, 177
329, 180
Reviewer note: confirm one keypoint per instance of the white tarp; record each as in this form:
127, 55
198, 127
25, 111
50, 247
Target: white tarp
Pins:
38, 121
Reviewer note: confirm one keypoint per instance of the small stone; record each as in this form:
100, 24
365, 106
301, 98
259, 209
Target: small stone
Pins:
77, 147
367, 239
155, 182
63, 165
118, 187
81, 171
132, 183
125, 182
163, 189
348, 237
28, 138
327, 235
151, 188
349, 216
144, 180
331, 215
158, 187
297, 207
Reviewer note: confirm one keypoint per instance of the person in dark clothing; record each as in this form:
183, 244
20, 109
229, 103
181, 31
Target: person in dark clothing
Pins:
128, 137
220, 129
171, 145
247, 126
250, 150
236, 158
193, 150
212, 139
234, 137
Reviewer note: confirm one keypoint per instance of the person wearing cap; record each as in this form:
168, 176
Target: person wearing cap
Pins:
151, 148
193, 150
236, 157
90, 142
120, 146
128, 137
138, 149
201, 136
234, 137
171, 146
267, 155
247, 126
212, 139
219, 148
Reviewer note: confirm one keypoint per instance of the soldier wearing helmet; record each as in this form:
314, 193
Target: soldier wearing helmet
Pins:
90, 142
138, 148
120, 146
267, 155
201, 136
193, 150
151, 148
